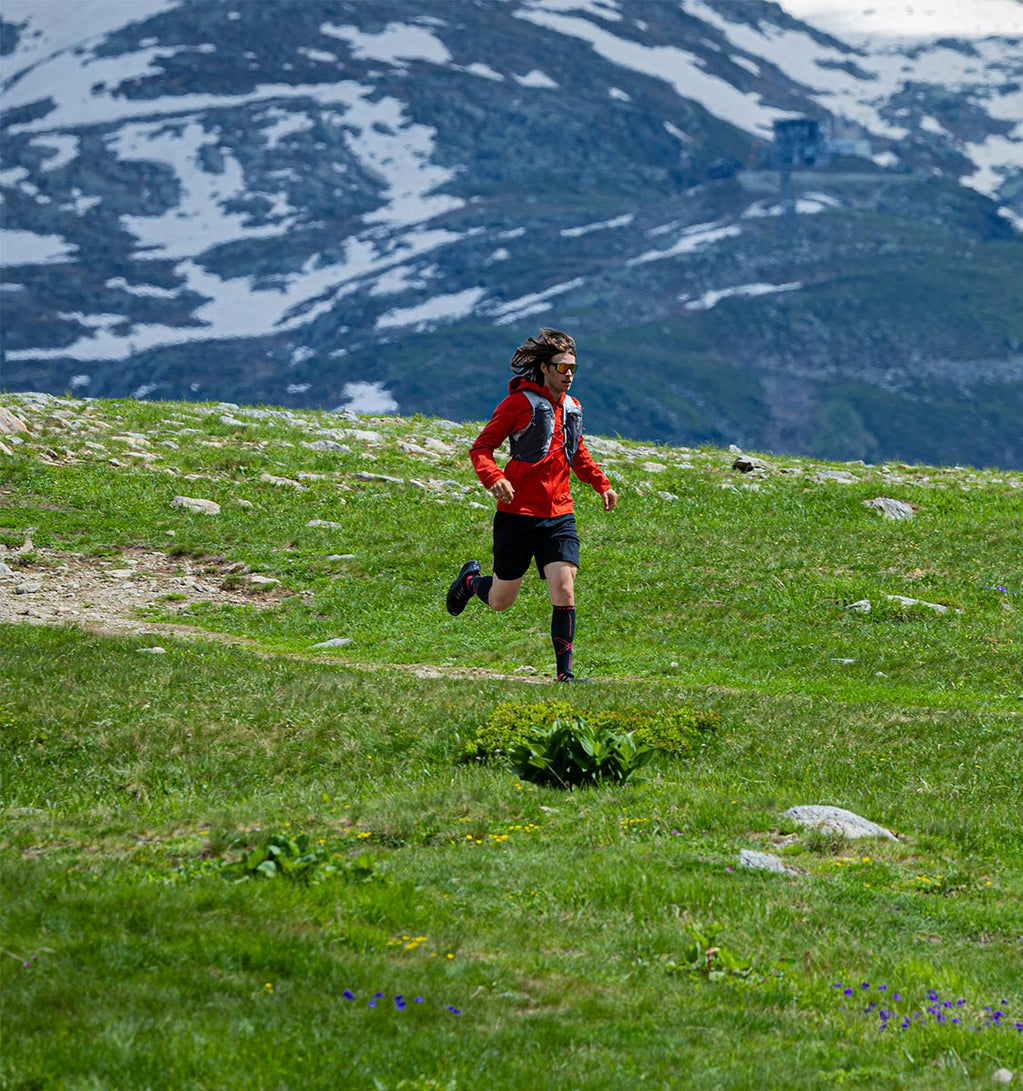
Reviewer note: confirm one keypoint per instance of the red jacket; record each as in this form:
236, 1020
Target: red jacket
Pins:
541, 487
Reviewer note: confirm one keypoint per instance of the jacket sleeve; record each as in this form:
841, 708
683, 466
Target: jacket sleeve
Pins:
588, 471
512, 414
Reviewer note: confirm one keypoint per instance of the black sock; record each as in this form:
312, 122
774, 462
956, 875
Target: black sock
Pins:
480, 586
562, 634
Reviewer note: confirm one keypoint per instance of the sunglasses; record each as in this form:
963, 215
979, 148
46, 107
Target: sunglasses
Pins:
565, 369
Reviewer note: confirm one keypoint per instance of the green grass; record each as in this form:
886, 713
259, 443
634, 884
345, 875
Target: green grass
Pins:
557, 923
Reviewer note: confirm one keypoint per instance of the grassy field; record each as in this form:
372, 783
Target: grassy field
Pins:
461, 927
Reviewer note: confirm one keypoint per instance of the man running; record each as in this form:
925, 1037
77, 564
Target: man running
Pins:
534, 519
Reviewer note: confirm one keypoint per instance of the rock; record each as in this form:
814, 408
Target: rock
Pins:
233, 421
862, 606
341, 557
5, 569
837, 820
654, 467
334, 642
272, 480
363, 475
10, 424
195, 503
763, 861
325, 523
263, 581
28, 588
747, 464
902, 600
891, 509
156, 650
1001, 1075
843, 477
327, 445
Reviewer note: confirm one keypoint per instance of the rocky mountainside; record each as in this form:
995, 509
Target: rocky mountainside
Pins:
317, 203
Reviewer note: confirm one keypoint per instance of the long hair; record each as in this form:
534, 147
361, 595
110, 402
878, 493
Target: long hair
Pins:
529, 358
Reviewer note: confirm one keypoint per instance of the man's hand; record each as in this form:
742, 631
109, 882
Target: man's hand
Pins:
502, 491
609, 498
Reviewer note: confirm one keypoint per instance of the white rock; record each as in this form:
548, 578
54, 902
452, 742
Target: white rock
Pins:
30, 588
654, 467
843, 477
889, 508
763, 861
263, 581
1002, 1075
195, 503
335, 642
325, 523
9, 423
837, 820
935, 606
272, 480
862, 606
156, 650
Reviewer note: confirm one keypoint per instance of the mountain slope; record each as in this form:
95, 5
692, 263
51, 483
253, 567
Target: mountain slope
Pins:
333, 203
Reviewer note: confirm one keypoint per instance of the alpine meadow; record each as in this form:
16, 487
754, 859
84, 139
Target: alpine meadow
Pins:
273, 819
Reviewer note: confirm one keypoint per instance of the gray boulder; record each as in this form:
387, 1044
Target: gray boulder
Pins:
837, 820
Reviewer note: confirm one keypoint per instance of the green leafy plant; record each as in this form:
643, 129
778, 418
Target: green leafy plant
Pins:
572, 752
678, 730
709, 958
280, 856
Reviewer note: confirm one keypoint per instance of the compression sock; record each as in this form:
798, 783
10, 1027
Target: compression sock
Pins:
562, 634
480, 586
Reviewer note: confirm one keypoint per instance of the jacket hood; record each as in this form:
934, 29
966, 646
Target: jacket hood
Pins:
521, 383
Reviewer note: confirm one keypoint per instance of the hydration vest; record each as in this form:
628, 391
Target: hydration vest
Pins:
533, 442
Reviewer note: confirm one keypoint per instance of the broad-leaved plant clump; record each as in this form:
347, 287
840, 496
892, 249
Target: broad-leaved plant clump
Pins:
679, 730
573, 753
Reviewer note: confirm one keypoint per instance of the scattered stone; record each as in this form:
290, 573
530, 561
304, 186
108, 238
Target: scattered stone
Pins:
835, 659
763, 861
325, 523
364, 436
1002, 1075
843, 477
668, 496
902, 600
891, 509
363, 475
327, 445
287, 481
335, 642
233, 421
525, 670
747, 464
156, 650
862, 606
341, 557
837, 820
10, 424
5, 569
244, 503
415, 449
654, 467
28, 588
121, 573
263, 581
195, 503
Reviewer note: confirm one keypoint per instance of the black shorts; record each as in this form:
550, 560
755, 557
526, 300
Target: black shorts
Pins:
520, 538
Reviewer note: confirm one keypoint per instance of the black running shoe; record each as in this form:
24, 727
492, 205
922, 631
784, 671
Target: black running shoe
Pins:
458, 593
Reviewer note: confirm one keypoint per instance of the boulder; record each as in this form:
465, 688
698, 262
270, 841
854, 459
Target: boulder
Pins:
195, 503
891, 509
10, 424
763, 861
837, 820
